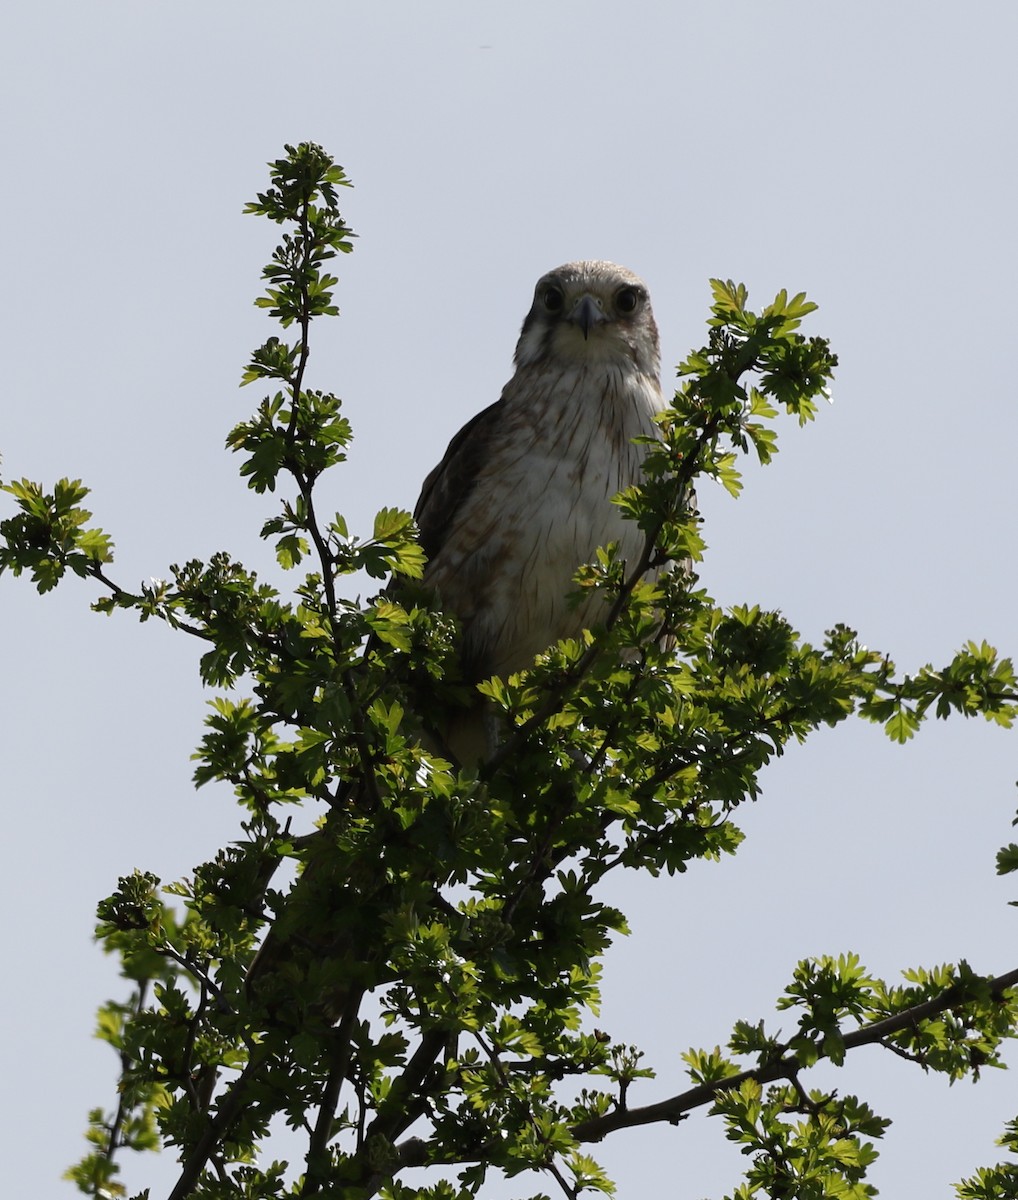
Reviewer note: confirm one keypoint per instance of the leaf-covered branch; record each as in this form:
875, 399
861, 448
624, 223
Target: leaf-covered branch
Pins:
983, 1011
424, 995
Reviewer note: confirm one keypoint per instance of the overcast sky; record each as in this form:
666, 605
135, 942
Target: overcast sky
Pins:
863, 153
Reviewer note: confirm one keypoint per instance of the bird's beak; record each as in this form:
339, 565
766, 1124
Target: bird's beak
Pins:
587, 313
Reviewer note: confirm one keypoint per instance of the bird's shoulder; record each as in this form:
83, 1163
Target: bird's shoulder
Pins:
448, 486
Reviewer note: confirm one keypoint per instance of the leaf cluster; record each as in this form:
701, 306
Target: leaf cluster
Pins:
425, 994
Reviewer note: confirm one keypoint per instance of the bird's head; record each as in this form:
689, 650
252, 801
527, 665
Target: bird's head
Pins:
590, 312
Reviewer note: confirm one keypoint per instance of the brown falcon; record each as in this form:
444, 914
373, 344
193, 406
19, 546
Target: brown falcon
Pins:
522, 497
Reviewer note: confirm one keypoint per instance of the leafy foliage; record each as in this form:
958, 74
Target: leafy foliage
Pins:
424, 995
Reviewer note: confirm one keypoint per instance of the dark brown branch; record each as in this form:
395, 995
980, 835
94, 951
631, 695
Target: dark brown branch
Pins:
405, 1101
174, 623
330, 1099
675, 1108
411, 1153
227, 1112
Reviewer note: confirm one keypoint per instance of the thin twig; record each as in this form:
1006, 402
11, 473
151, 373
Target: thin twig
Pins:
174, 622
113, 1142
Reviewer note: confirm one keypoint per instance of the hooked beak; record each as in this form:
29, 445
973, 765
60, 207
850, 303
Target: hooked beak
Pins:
586, 313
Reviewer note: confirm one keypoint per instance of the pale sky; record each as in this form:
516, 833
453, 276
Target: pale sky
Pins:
863, 153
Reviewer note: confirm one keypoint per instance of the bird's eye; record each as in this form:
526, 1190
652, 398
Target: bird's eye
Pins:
553, 299
627, 299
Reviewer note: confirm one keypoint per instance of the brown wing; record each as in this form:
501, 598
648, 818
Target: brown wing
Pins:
447, 487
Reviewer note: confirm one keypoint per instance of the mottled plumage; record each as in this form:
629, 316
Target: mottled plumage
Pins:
522, 497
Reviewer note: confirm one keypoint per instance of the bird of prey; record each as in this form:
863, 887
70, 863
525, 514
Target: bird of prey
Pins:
522, 498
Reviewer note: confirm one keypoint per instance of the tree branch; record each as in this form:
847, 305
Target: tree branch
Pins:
675, 1108
330, 1100
227, 1112
174, 623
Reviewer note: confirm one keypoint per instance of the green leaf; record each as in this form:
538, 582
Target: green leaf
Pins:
391, 523
1007, 859
902, 725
